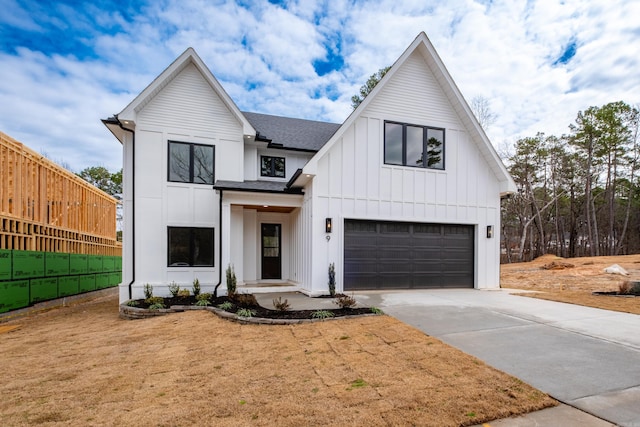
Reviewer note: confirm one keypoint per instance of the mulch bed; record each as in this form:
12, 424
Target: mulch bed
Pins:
258, 309
615, 294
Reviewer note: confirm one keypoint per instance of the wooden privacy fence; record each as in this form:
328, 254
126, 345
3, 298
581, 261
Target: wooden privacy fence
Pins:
44, 207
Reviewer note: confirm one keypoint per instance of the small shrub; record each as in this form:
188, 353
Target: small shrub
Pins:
376, 310
148, 291
244, 299
203, 302
196, 287
281, 305
245, 312
156, 306
132, 303
332, 279
231, 281
322, 314
155, 300
184, 293
226, 306
174, 288
345, 301
625, 287
204, 296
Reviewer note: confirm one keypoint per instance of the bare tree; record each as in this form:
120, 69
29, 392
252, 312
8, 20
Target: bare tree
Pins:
481, 108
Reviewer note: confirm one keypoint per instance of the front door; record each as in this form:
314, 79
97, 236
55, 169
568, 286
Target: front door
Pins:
271, 253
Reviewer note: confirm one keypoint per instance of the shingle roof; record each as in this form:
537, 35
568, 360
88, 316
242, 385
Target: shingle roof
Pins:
259, 186
296, 134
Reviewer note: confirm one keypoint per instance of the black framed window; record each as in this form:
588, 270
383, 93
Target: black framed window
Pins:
412, 145
272, 166
190, 247
193, 163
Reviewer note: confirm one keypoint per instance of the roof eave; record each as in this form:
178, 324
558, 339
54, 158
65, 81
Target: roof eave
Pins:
262, 190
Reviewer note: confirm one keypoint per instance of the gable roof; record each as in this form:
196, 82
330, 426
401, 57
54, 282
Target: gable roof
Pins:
189, 56
423, 45
289, 133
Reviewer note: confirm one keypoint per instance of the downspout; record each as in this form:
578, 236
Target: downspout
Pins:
133, 205
215, 290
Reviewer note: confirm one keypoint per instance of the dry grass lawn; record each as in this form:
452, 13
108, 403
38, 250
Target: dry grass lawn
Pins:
575, 285
82, 365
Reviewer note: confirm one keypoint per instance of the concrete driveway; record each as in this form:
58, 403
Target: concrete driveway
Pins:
585, 357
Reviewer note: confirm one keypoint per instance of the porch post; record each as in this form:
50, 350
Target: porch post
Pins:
225, 250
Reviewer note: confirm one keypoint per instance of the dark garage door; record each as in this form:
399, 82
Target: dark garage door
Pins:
401, 255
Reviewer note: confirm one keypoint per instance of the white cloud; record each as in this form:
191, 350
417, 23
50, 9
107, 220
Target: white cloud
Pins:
55, 106
264, 56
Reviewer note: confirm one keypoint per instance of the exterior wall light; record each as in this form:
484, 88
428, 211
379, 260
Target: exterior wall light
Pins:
489, 231
327, 225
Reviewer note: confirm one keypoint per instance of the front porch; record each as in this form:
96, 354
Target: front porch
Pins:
262, 239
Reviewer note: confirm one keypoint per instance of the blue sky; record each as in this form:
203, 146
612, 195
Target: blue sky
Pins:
65, 65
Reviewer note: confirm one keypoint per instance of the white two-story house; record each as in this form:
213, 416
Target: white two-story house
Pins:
404, 194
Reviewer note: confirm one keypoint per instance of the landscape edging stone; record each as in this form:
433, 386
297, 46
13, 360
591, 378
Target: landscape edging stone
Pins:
132, 313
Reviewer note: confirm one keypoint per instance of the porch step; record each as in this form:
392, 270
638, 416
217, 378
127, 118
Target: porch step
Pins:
263, 288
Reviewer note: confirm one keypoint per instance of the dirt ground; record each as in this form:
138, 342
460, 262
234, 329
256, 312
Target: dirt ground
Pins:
82, 365
575, 284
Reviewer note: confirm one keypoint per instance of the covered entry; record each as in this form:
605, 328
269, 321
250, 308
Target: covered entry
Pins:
403, 255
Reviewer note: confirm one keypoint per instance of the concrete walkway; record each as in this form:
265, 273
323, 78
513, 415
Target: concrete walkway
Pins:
585, 357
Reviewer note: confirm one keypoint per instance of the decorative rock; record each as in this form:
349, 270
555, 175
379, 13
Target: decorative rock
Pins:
616, 269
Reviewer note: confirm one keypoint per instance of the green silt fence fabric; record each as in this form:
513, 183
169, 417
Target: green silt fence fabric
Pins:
78, 264
13, 295
68, 286
5, 264
27, 264
56, 264
43, 289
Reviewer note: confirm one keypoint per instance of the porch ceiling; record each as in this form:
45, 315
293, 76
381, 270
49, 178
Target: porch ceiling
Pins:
268, 208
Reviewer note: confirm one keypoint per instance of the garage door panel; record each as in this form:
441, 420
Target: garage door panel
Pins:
427, 267
393, 253
363, 281
455, 256
395, 280
393, 240
450, 280
361, 253
427, 280
361, 267
420, 254
388, 255
386, 267
452, 264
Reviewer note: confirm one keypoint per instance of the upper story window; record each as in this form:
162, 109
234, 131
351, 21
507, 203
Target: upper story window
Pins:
191, 162
411, 145
272, 166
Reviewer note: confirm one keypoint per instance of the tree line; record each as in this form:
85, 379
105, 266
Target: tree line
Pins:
578, 194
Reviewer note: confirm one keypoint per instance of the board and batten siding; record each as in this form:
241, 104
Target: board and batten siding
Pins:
387, 191
352, 180
188, 110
